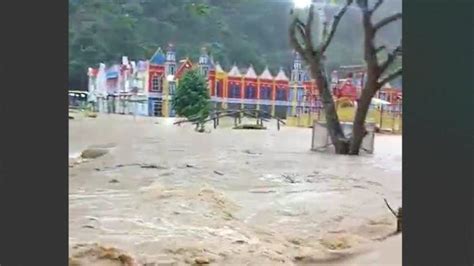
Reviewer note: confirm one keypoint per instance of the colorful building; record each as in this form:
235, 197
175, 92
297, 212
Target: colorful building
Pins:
348, 81
390, 94
147, 87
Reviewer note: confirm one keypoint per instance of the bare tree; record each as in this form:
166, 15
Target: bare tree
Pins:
313, 54
377, 70
302, 40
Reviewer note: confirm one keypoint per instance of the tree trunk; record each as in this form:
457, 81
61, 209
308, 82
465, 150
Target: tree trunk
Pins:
358, 127
340, 142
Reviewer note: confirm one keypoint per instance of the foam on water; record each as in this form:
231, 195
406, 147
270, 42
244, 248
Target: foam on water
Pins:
75, 155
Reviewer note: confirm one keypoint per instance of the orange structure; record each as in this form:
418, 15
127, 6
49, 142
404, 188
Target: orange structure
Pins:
348, 81
390, 94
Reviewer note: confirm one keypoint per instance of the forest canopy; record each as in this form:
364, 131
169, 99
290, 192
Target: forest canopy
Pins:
234, 31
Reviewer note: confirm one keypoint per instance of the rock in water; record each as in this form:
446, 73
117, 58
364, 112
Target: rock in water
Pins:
202, 260
92, 153
94, 254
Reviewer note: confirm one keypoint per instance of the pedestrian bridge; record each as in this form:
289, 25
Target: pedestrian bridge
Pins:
260, 117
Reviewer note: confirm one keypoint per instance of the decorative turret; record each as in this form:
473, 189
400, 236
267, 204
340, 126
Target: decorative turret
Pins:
212, 63
297, 72
297, 61
204, 62
170, 63
170, 53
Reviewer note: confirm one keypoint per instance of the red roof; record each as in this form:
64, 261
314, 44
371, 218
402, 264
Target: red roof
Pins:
186, 64
156, 68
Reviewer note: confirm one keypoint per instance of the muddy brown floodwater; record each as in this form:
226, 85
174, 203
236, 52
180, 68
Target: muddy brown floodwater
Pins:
167, 195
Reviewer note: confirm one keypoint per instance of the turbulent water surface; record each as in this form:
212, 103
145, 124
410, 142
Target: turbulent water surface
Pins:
166, 194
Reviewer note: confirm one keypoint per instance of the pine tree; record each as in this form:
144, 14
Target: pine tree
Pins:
192, 97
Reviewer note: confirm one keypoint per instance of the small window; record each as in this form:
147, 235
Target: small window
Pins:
170, 56
250, 92
234, 91
281, 94
156, 83
171, 70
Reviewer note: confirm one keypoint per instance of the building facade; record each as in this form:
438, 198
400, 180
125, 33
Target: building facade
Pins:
146, 87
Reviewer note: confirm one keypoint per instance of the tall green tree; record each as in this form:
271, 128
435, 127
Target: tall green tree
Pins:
192, 97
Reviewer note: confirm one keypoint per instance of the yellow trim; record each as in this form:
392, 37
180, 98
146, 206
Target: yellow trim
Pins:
258, 93
164, 98
390, 122
222, 76
164, 108
273, 96
224, 93
242, 90
295, 94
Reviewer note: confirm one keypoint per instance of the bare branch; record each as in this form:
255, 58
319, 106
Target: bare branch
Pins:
300, 23
387, 20
399, 51
308, 43
307, 28
380, 49
390, 59
293, 39
301, 29
377, 5
337, 18
390, 208
305, 32
363, 5
370, 52
325, 30
391, 76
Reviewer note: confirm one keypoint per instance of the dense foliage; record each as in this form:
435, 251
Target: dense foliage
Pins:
192, 98
241, 31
